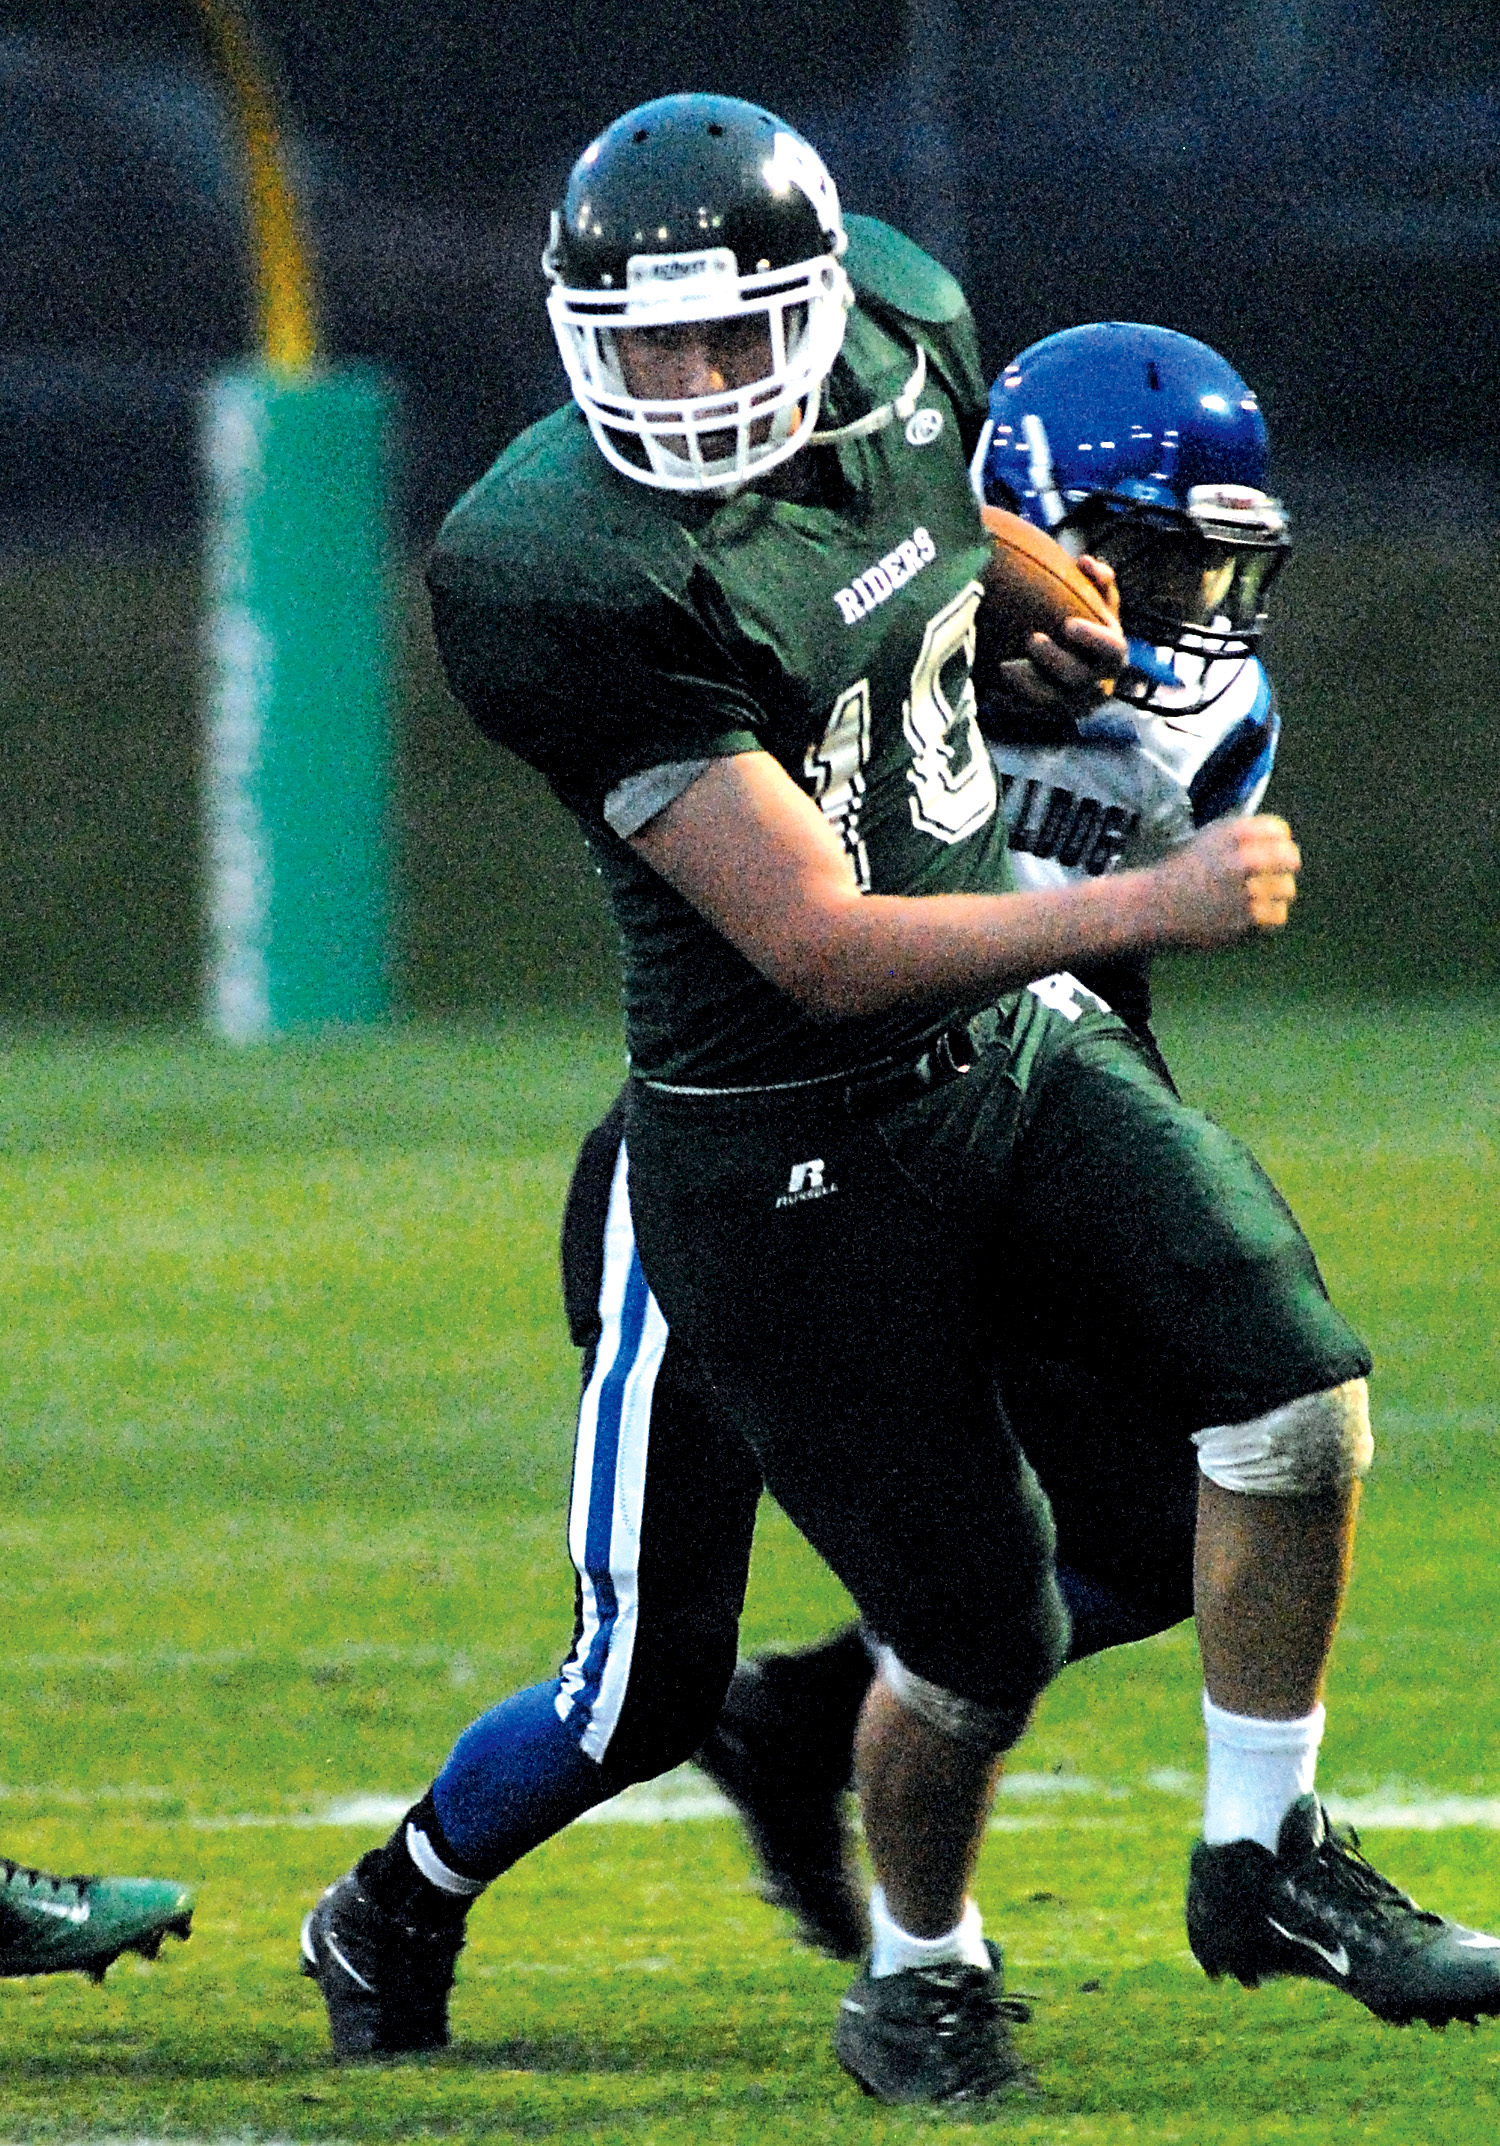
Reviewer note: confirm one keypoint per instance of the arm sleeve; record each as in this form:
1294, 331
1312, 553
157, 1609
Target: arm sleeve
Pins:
636, 801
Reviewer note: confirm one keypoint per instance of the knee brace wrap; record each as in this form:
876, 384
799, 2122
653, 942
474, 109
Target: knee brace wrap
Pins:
985, 1728
1313, 1445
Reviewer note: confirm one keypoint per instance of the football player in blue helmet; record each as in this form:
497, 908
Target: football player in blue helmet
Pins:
1144, 447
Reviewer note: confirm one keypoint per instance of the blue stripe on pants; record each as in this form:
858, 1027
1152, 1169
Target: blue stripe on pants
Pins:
599, 1535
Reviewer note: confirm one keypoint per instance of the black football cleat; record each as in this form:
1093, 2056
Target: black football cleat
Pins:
791, 1798
1318, 1908
934, 2035
385, 1982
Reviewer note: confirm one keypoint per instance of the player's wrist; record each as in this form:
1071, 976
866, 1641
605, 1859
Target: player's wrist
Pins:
1133, 911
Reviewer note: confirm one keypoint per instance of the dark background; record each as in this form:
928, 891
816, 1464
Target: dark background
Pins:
1313, 187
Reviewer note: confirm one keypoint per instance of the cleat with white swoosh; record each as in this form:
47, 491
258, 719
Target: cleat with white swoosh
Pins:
1319, 1908
51, 1925
385, 1982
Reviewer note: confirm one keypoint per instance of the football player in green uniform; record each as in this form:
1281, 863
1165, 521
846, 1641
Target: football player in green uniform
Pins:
727, 603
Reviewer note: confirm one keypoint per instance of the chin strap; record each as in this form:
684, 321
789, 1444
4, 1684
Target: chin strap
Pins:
877, 420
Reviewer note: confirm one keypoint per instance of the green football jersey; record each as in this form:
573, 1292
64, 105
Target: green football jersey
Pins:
603, 629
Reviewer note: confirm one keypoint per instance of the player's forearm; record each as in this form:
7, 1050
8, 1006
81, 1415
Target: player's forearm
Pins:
940, 950
758, 859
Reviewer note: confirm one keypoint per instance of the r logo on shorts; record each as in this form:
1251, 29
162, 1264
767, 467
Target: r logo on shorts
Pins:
805, 1183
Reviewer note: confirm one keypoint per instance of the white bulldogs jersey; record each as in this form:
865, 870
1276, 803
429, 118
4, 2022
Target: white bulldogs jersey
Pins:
1135, 783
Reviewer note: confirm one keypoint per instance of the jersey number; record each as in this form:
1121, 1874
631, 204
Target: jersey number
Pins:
952, 776
836, 769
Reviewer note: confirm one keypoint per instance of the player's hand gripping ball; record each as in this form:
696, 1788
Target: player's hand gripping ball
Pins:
1030, 586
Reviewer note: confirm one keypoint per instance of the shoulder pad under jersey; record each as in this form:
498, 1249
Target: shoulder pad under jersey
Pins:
914, 298
889, 270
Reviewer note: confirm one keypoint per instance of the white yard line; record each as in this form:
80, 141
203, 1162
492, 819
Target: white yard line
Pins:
1432, 1815
1027, 1801
685, 1797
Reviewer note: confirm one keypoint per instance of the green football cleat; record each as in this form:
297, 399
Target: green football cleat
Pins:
51, 1925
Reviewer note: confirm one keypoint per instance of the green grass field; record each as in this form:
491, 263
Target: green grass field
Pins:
286, 1429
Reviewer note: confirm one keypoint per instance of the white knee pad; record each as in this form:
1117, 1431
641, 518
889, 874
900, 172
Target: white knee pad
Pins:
986, 1728
1316, 1444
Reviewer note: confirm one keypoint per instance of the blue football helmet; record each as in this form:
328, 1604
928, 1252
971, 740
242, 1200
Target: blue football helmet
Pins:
1147, 448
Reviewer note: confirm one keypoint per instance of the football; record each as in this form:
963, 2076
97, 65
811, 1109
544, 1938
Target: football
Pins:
1031, 586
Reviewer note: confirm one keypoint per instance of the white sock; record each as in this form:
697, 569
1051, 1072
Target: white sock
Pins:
893, 1949
1256, 1772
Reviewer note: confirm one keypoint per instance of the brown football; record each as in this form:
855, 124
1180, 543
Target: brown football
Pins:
1030, 586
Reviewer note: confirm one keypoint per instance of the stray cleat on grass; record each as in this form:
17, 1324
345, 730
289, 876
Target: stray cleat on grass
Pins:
385, 1983
935, 2035
52, 1926
1318, 1908
789, 1789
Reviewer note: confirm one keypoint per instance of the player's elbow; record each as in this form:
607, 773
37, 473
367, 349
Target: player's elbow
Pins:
838, 998
816, 988
820, 942
829, 975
